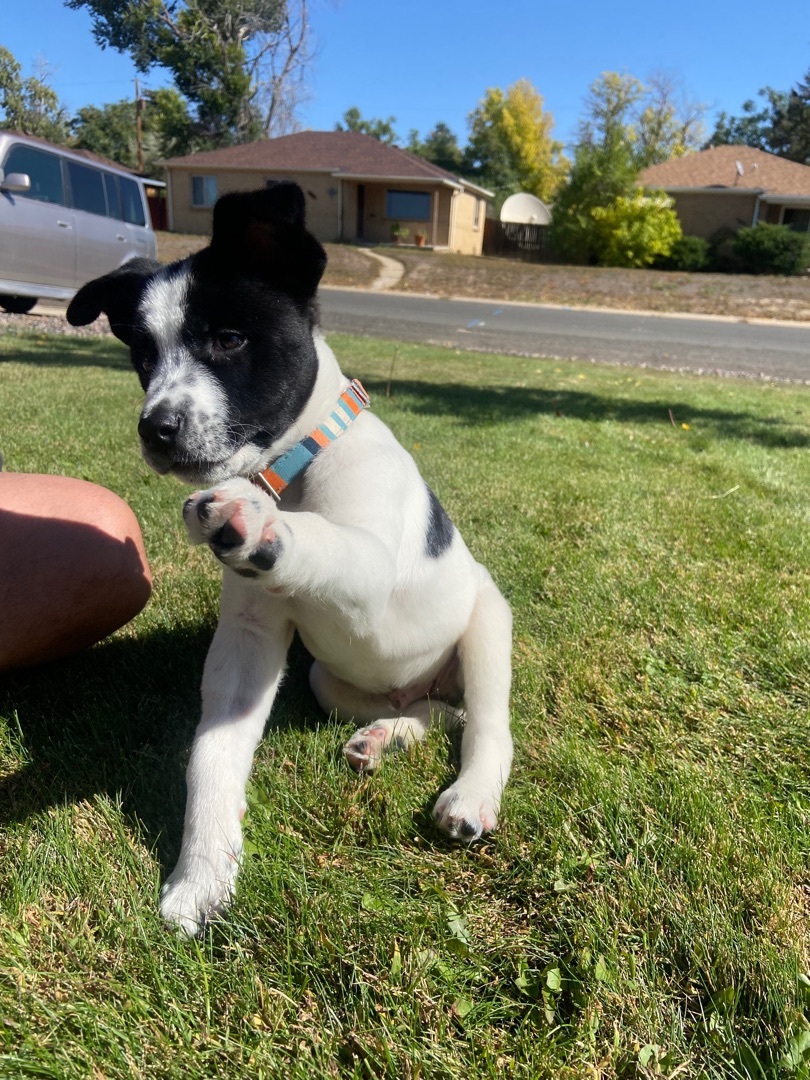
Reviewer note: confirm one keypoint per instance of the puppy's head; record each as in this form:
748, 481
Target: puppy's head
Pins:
222, 342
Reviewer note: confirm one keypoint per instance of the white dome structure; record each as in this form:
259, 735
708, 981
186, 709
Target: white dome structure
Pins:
525, 209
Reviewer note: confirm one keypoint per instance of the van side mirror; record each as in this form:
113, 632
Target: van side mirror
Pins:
15, 181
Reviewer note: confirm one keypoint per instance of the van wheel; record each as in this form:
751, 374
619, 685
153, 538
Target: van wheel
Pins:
17, 305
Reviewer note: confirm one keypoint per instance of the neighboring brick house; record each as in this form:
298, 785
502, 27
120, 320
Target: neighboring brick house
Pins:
357, 188
728, 187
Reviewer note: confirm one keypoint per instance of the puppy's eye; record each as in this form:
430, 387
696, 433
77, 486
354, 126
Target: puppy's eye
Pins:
228, 340
143, 364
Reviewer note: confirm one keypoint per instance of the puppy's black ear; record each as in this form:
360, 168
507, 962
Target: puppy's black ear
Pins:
264, 231
116, 295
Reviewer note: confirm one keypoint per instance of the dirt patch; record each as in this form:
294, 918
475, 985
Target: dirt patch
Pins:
743, 296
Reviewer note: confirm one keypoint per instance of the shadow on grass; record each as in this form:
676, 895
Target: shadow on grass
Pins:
467, 404
63, 350
488, 405
118, 720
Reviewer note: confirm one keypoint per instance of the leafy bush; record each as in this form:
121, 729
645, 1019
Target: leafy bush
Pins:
635, 230
600, 174
772, 249
722, 254
688, 253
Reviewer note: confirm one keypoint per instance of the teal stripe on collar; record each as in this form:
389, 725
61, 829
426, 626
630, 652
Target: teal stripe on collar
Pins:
276, 477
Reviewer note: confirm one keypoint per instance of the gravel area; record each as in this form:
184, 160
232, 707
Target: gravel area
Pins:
52, 323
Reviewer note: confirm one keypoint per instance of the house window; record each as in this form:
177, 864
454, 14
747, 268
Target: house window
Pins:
203, 191
477, 214
796, 219
407, 205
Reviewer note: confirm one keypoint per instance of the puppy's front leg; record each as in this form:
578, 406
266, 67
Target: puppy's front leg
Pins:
243, 669
294, 554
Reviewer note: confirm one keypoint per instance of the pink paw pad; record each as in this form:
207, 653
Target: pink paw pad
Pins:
365, 748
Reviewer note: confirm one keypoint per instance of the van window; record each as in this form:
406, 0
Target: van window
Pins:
114, 208
44, 169
87, 188
133, 203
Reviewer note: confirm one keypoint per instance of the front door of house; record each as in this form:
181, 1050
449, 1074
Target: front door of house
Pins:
361, 211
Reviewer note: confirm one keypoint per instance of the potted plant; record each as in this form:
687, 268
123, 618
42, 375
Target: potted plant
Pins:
398, 232
420, 236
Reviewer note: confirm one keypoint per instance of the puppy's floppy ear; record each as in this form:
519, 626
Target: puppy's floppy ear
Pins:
116, 295
264, 231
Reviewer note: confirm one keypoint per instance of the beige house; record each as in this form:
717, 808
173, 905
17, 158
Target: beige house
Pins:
728, 187
357, 189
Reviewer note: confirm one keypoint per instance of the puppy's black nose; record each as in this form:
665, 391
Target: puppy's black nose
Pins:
159, 430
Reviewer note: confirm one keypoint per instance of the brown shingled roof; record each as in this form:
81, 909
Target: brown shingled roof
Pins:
340, 152
717, 167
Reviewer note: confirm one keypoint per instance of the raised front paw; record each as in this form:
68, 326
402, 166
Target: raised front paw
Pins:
238, 522
197, 892
465, 812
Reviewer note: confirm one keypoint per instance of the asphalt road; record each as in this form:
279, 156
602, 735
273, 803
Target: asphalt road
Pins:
725, 346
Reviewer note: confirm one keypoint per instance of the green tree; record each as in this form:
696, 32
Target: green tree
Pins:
754, 127
655, 118
353, 120
602, 196
440, 146
169, 124
790, 135
780, 125
108, 130
610, 109
29, 104
602, 173
604, 167
223, 54
511, 147
167, 130
667, 124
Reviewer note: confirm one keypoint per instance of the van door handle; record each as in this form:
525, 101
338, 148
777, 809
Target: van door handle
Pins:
63, 224
123, 239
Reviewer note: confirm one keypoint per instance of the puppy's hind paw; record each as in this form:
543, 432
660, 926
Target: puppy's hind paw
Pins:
365, 748
465, 814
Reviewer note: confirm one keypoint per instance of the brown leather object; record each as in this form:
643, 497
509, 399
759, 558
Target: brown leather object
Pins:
72, 567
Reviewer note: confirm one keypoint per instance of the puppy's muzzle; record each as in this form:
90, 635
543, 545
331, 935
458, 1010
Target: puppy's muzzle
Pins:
161, 429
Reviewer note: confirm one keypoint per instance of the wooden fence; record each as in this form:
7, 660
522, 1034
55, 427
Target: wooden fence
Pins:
513, 241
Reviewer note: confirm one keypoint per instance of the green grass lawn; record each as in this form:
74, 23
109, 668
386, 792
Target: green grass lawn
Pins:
645, 908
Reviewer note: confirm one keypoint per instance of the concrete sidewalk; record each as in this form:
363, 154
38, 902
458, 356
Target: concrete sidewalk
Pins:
391, 270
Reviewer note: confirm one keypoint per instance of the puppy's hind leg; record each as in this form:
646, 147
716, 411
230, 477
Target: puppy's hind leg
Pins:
469, 807
385, 728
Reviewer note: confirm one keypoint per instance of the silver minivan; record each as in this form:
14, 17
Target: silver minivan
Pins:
65, 217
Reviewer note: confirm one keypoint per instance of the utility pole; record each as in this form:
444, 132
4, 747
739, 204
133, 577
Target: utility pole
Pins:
139, 126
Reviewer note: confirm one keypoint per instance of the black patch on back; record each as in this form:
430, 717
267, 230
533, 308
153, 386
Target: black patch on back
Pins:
440, 528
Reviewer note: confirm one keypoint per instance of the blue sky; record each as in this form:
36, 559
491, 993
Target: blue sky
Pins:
430, 60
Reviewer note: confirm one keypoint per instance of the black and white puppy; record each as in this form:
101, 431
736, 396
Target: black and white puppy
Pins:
357, 554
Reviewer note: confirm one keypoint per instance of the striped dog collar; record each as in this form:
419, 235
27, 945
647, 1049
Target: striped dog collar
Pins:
276, 477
